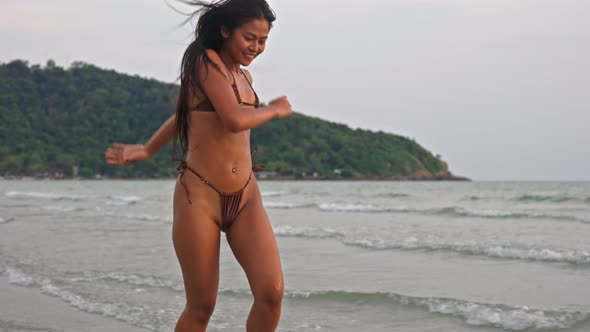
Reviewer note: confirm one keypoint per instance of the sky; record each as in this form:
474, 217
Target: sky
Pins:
498, 88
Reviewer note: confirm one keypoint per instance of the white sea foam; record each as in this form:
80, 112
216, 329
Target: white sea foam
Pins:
273, 193
309, 326
66, 209
17, 277
487, 213
155, 320
117, 200
306, 232
45, 195
77, 301
136, 216
502, 316
472, 248
353, 207
137, 280
433, 243
148, 217
285, 205
555, 198
451, 210
123, 200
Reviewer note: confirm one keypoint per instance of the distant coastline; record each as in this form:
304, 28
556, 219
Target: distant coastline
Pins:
73, 114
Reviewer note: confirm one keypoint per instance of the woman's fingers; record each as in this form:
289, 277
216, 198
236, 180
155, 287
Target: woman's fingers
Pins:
114, 156
120, 154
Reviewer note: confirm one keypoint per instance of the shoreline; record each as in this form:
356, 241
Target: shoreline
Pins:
26, 309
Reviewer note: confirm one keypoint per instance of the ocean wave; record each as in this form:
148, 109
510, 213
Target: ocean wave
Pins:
306, 232
146, 217
123, 200
19, 278
117, 214
512, 318
530, 198
45, 195
546, 198
456, 211
118, 200
133, 279
435, 244
502, 316
286, 205
135, 216
506, 214
66, 209
141, 316
273, 193
579, 257
353, 207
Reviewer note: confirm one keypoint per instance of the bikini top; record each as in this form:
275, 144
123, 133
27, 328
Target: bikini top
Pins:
206, 106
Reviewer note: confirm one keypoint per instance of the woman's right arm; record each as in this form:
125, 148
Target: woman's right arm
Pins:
161, 137
121, 154
218, 89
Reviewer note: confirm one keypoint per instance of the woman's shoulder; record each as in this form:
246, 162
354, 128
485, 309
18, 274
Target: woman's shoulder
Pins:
213, 56
248, 75
215, 62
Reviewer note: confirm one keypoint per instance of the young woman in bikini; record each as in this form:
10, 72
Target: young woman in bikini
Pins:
216, 110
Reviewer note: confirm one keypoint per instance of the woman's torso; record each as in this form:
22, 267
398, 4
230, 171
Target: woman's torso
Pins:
217, 153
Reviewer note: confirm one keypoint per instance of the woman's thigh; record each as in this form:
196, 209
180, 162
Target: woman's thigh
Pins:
253, 243
196, 241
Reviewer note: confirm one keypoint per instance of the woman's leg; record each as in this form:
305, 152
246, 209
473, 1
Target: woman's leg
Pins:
196, 241
252, 241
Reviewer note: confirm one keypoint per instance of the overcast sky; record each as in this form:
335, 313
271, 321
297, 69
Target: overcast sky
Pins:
499, 88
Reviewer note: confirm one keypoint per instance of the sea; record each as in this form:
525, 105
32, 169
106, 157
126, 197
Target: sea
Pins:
357, 256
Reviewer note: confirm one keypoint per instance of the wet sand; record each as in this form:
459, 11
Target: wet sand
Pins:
24, 309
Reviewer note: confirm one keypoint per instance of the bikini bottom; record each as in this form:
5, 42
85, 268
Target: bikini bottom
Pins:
230, 202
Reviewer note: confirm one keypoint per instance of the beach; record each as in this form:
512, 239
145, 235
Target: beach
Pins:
373, 256
24, 309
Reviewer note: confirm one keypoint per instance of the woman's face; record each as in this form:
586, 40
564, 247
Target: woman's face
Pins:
247, 41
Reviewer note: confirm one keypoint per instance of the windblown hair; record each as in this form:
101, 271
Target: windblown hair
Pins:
230, 14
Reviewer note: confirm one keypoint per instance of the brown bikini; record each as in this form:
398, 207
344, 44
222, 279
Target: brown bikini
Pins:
230, 202
206, 106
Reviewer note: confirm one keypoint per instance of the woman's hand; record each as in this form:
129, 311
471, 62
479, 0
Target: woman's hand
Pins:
121, 154
282, 107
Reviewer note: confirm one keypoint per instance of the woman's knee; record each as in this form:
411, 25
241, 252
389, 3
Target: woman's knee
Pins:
200, 310
271, 295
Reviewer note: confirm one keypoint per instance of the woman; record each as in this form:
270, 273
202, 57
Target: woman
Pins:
215, 190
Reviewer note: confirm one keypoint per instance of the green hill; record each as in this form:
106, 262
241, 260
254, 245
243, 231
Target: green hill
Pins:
52, 119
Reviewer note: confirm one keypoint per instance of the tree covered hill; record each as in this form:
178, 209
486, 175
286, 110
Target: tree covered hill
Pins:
52, 119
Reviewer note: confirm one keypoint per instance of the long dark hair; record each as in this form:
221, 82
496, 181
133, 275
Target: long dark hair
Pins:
230, 14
